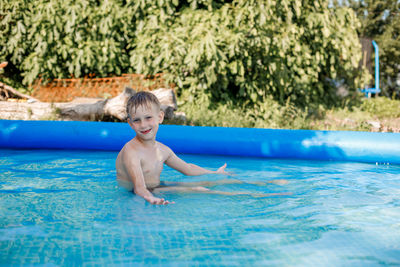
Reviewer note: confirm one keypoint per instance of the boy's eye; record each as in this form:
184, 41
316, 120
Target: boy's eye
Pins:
148, 117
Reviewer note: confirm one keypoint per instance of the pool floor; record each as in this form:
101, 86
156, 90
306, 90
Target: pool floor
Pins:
64, 208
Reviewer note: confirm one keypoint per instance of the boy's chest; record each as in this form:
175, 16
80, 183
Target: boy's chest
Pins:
152, 164
151, 168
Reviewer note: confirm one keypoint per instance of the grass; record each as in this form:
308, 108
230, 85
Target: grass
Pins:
375, 114
378, 114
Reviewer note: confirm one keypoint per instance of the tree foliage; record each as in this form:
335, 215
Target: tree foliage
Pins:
211, 50
380, 20
251, 49
64, 38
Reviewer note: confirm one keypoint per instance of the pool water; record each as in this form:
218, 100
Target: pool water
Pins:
64, 208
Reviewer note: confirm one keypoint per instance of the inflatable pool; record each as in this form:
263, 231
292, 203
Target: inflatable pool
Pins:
271, 143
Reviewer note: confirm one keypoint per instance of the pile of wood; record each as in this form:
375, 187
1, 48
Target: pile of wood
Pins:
17, 106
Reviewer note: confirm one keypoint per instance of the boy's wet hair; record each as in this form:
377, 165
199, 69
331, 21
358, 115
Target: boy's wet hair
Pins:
142, 98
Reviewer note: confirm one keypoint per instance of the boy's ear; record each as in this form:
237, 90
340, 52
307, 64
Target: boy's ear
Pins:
161, 116
129, 122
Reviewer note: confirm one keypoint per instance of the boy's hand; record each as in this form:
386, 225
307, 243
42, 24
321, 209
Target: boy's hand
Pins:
221, 170
158, 201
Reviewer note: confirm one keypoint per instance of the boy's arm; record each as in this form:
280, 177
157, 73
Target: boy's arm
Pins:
135, 173
180, 165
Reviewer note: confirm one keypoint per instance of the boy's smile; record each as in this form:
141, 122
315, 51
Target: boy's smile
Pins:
146, 131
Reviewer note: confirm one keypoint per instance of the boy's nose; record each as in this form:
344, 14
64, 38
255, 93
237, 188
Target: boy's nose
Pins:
143, 124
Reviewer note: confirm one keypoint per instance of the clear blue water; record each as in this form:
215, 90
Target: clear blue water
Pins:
64, 208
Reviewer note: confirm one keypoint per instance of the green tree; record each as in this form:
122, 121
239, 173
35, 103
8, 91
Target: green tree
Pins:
252, 49
242, 50
66, 38
380, 20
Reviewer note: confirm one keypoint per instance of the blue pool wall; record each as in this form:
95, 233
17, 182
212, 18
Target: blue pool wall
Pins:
247, 142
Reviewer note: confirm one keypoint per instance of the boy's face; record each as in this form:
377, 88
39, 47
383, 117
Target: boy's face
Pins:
145, 121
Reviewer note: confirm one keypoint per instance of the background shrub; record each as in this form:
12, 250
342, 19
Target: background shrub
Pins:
239, 51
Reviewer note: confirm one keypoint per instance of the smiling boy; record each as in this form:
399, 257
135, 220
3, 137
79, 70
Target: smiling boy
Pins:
140, 161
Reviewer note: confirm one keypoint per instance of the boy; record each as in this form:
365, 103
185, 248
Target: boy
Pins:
140, 161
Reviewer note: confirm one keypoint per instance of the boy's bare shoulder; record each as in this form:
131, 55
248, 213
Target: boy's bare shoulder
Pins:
129, 149
165, 149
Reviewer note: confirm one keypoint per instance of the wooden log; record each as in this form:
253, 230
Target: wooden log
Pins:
51, 111
81, 112
27, 111
116, 106
166, 97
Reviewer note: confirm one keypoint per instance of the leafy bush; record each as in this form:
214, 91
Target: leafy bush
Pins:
252, 49
63, 38
212, 50
269, 114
